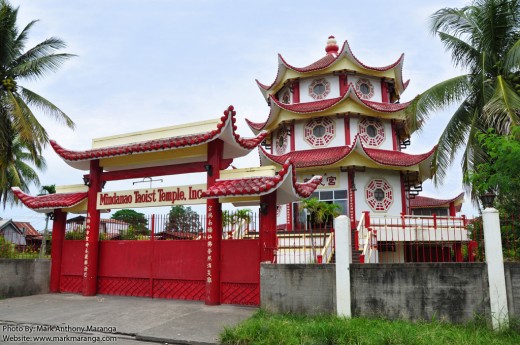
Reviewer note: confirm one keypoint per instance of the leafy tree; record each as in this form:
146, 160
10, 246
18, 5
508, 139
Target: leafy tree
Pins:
16, 169
19, 127
183, 219
501, 173
46, 190
137, 220
483, 40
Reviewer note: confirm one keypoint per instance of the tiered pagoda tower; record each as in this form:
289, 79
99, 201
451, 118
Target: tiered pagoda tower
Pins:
342, 119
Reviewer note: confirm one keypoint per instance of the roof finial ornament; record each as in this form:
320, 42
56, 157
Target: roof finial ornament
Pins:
332, 46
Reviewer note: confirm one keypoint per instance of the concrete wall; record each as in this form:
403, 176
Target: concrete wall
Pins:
512, 272
24, 277
454, 292
306, 289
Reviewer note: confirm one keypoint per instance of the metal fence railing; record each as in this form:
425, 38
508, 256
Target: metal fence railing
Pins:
192, 226
305, 247
409, 238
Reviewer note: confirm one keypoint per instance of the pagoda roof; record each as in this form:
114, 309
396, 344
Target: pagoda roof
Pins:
330, 60
331, 155
427, 202
323, 105
284, 183
234, 146
49, 202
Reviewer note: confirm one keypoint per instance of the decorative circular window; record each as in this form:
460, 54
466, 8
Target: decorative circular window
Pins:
281, 141
319, 88
371, 132
365, 88
379, 195
286, 97
319, 131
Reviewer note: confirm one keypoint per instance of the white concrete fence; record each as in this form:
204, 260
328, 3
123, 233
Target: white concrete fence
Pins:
494, 261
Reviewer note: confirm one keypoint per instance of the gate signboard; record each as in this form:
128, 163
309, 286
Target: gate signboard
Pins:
150, 197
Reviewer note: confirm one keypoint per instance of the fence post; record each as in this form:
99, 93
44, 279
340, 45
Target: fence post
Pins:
343, 260
495, 268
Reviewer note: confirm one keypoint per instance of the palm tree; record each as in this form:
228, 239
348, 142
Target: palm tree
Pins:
46, 190
16, 65
16, 169
483, 39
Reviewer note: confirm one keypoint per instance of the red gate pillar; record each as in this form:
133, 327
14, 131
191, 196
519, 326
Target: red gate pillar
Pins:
58, 235
213, 226
268, 227
90, 268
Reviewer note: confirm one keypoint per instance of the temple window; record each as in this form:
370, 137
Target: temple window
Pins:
371, 132
364, 88
319, 131
319, 88
379, 195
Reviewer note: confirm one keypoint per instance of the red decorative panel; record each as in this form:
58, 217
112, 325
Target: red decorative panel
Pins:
179, 289
240, 261
70, 283
244, 294
123, 286
125, 259
72, 262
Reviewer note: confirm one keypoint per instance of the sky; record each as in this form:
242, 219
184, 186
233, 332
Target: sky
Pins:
147, 64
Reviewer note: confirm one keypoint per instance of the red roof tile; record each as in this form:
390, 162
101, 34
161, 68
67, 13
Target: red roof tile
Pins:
262, 185
331, 155
311, 158
396, 158
163, 144
50, 201
425, 202
317, 106
329, 60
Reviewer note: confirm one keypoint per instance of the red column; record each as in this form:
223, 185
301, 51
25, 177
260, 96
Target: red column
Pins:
213, 226
90, 268
296, 91
453, 212
289, 217
384, 91
352, 207
58, 235
343, 84
267, 227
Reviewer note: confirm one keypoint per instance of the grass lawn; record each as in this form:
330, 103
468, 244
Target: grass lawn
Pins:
275, 329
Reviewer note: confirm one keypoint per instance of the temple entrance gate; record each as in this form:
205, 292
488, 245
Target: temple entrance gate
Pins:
209, 268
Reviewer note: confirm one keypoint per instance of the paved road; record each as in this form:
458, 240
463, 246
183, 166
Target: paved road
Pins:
132, 320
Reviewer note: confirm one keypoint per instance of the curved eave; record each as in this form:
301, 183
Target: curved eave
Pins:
329, 62
284, 183
48, 203
338, 105
184, 147
340, 156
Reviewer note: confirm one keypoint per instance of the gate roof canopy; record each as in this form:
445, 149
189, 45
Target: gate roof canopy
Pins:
48, 203
164, 146
249, 189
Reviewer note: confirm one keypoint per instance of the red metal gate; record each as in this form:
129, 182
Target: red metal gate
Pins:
166, 269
